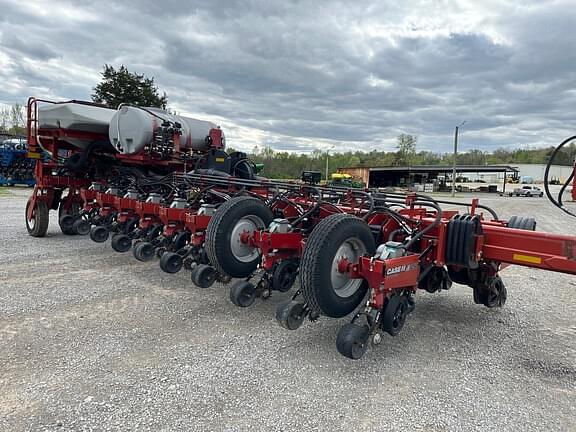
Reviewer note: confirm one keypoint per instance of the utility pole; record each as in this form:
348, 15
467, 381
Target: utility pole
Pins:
455, 157
327, 156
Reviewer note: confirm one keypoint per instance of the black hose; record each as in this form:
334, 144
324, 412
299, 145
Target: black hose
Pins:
311, 210
434, 224
557, 202
564, 188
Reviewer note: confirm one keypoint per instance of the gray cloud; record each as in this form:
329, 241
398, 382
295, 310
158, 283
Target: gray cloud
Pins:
300, 75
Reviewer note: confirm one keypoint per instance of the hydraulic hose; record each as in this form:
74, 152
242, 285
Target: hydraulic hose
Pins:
558, 202
434, 224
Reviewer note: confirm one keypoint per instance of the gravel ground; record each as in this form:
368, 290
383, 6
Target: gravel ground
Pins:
94, 340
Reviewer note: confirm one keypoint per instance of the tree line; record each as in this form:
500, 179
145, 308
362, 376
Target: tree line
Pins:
290, 165
12, 120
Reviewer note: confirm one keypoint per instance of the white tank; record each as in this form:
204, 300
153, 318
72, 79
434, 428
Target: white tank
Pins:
132, 128
76, 117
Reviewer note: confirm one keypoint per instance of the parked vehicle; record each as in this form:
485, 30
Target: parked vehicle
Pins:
527, 191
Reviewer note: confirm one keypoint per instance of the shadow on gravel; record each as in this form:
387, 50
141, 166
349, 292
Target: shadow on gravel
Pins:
550, 369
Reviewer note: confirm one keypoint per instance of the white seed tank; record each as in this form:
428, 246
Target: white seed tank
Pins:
132, 128
76, 117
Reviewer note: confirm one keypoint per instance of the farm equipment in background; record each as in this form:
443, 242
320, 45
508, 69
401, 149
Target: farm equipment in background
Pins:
163, 186
16, 167
345, 181
512, 179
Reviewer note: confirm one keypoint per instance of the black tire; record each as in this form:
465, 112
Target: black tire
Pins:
523, 223
38, 225
66, 223
491, 294
66, 218
121, 243
130, 225
242, 293
352, 341
171, 262
154, 232
227, 220
290, 314
180, 240
81, 227
395, 313
203, 276
99, 234
316, 271
435, 280
285, 275
144, 251
541, 194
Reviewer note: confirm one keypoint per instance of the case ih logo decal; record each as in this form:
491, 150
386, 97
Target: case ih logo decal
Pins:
400, 269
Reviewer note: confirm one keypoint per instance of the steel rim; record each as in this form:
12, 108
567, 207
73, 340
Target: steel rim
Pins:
350, 250
242, 251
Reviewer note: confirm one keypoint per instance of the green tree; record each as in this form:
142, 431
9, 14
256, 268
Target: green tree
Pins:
406, 146
122, 86
4, 118
12, 119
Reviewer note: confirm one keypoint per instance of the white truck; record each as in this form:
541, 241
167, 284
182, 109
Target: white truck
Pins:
527, 191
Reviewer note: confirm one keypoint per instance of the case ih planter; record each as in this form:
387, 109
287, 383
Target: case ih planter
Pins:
164, 187
422, 247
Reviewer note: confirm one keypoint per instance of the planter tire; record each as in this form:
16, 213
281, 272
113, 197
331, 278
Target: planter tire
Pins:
38, 225
223, 247
324, 288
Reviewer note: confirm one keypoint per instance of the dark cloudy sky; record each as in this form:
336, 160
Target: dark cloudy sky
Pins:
300, 75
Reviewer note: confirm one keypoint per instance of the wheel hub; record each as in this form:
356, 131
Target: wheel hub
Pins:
240, 247
349, 252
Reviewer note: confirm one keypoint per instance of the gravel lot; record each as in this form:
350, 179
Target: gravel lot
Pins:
94, 340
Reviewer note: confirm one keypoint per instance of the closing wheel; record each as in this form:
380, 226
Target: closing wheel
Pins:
130, 225
171, 262
284, 275
290, 314
242, 293
67, 217
154, 232
143, 251
180, 240
121, 243
435, 280
492, 293
66, 223
81, 227
234, 221
352, 340
326, 286
37, 226
203, 276
99, 234
395, 313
